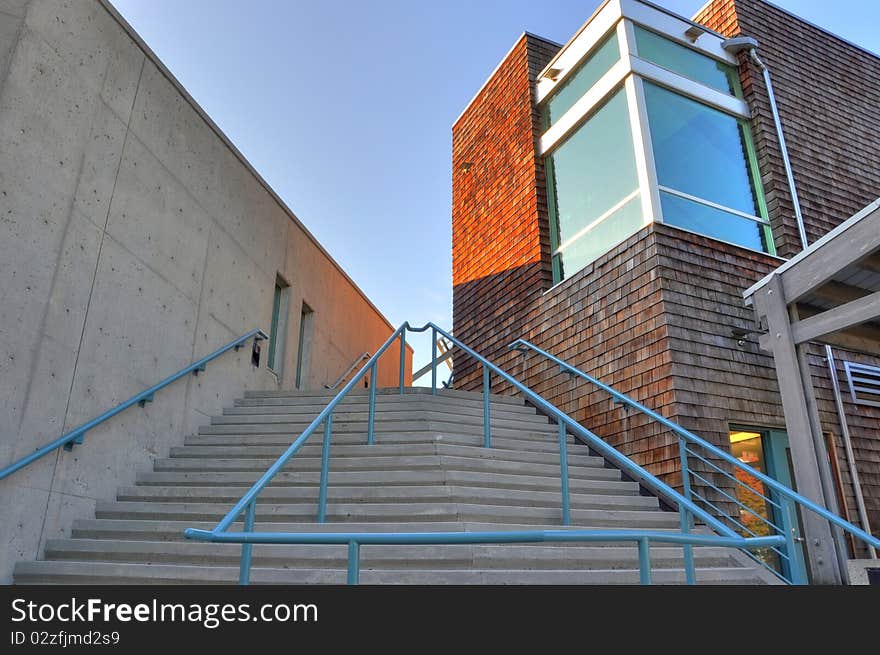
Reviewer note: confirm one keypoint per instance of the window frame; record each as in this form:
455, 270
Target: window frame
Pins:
631, 72
278, 326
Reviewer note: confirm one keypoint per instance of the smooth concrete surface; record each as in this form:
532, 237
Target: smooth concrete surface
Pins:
134, 239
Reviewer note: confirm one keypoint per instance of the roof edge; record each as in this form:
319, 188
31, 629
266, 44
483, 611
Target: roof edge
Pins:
822, 29
522, 35
139, 41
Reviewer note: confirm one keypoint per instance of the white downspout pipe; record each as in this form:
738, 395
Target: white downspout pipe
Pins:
739, 44
734, 46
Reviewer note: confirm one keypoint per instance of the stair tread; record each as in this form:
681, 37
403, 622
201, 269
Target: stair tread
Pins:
427, 472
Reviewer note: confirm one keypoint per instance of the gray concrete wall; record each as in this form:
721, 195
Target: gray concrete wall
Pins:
133, 239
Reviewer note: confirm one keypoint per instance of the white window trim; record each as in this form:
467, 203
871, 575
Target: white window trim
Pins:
641, 135
690, 88
713, 205
579, 48
607, 17
596, 222
674, 29
607, 85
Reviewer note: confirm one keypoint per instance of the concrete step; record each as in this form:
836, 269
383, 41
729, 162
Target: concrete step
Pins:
77, 572
478, 556
383, 392
427, 472
374, 494
340, 513
421, 462
388, 479
438, 423
360, 411
169, 530
343, 453
546, 444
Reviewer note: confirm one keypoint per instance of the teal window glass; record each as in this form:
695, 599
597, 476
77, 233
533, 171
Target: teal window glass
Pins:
714, 222
594, 198
705, 153
606, 54
684, 61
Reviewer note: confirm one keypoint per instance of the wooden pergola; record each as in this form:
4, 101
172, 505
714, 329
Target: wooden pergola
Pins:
828, 293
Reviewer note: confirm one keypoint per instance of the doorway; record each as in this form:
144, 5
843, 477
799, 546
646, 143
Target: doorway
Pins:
768, 452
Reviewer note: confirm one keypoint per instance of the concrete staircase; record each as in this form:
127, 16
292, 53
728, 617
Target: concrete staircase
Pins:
426, 472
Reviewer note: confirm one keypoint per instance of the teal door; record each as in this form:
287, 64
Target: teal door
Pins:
779, 467
766, 451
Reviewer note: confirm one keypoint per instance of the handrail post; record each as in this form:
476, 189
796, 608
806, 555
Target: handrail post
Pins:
244, 571
684, 516
796, 571
325, 468
487, 385
371, 420
644, 561
354, 563
433, 361
563, 474
402, 357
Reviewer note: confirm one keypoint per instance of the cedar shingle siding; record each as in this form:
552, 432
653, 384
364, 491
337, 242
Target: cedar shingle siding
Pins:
653, 317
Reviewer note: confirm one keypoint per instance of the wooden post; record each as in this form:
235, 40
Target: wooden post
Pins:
770, 305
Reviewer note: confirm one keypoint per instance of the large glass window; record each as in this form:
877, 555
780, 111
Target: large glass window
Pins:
593, 192
606, 54
684, 61
705, 170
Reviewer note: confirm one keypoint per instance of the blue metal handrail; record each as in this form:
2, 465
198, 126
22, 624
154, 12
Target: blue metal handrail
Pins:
77, 435
355, 540
247, 504
788, 496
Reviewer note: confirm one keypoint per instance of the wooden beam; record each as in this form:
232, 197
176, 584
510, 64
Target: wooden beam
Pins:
871, 263
863, 338
839, 318
771, 306
855, 243
838, 292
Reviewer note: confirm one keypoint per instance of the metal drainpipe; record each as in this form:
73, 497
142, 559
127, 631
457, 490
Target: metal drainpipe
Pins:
753, 53
738, 44
734, 46
847, 442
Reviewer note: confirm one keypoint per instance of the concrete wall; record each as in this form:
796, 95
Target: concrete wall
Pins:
133, 239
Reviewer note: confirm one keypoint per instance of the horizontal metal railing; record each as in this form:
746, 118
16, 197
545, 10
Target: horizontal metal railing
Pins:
77, 435
246, 506
785, 499
348, 371
354, 540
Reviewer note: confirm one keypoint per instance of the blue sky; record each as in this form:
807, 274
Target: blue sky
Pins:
346, 110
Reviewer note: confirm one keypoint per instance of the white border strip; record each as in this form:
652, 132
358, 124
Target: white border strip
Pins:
150, 55
690, 88
713, 205
674, 27
588, 102
600, 25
